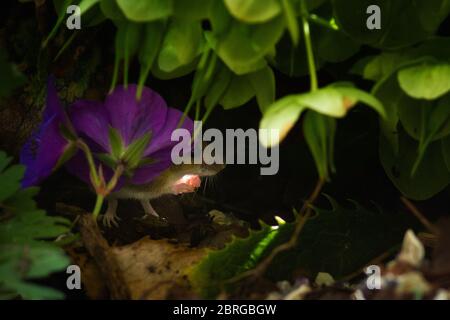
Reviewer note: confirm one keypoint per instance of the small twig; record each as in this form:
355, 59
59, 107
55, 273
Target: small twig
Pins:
413, 209
101, 252
305, 214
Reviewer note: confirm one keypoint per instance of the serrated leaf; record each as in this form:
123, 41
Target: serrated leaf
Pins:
20, 262
25, 252
337, 241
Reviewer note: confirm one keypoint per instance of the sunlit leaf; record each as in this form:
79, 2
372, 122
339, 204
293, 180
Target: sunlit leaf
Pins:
426, 80
319, 132
181, 44
334, 101
253, 11
244, 47
146, 10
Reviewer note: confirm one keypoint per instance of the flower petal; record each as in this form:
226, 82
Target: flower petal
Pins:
45, 146
41, 152
134, 118
162, 139
147, 173
91, 120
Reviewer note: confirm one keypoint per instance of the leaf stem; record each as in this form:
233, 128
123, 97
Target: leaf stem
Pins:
84, 147
308, 45
98, 206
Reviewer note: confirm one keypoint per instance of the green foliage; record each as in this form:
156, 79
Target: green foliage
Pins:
404, 22
413, 86
338, 241
233, 46
25, 252
334, 101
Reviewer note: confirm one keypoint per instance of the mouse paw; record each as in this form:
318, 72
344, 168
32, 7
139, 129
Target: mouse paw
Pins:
111, 218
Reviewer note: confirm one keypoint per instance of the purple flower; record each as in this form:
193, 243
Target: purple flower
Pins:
44, 148
148, 121
132, 119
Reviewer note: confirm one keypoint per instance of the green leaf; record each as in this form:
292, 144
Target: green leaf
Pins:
253, 11
107, 159
431, 175
115, 143
403, 22
69, 151
134, 151
153, 35
127, 41
428, 80
192, 9
334, 100
263, 83
181, 44
238, 92
9, 177
111, 10
25, 252
20, 262
319, 132
425, 120
219, 86
85, 5
335, 46
338, 241
208, 276
146, 10
244, 47
291, 20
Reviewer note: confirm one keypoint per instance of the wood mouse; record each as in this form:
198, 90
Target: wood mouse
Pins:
177, 179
